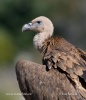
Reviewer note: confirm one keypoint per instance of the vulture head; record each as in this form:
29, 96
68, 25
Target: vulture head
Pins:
40, 24
43, 28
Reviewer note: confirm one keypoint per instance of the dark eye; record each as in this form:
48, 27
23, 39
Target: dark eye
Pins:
38, 22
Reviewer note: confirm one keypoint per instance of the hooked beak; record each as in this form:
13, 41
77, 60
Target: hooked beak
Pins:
26, 27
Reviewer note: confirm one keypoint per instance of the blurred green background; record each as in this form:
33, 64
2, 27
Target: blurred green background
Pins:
68, 16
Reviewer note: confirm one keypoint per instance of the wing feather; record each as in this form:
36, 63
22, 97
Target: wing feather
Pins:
67, 57
58, 53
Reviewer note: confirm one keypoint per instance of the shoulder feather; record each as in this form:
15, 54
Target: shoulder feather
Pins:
61, 54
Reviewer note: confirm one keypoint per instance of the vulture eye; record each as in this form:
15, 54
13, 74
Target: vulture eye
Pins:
38, 22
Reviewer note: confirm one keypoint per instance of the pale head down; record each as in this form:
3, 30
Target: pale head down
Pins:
43, 27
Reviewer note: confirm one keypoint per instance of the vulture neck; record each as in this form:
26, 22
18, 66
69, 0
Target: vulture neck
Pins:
39, 40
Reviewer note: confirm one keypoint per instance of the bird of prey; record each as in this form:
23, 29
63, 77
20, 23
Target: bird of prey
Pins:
58, 53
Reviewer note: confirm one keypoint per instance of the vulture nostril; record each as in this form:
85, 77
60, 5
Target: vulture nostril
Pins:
30, 24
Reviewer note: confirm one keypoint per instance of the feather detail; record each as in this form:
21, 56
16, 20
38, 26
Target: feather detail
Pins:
58, 53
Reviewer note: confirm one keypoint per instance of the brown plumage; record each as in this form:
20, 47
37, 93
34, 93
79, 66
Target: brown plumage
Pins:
58, 53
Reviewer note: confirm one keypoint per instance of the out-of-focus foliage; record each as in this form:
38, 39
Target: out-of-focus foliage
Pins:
7, 49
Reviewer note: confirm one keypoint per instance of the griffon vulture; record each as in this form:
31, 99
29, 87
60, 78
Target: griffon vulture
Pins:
57, 53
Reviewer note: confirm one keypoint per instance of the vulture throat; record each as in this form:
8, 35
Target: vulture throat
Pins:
58, 53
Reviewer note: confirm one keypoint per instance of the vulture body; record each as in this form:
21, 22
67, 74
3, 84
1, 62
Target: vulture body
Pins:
59, 54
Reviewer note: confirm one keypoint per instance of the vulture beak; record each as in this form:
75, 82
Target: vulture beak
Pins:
26, 27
